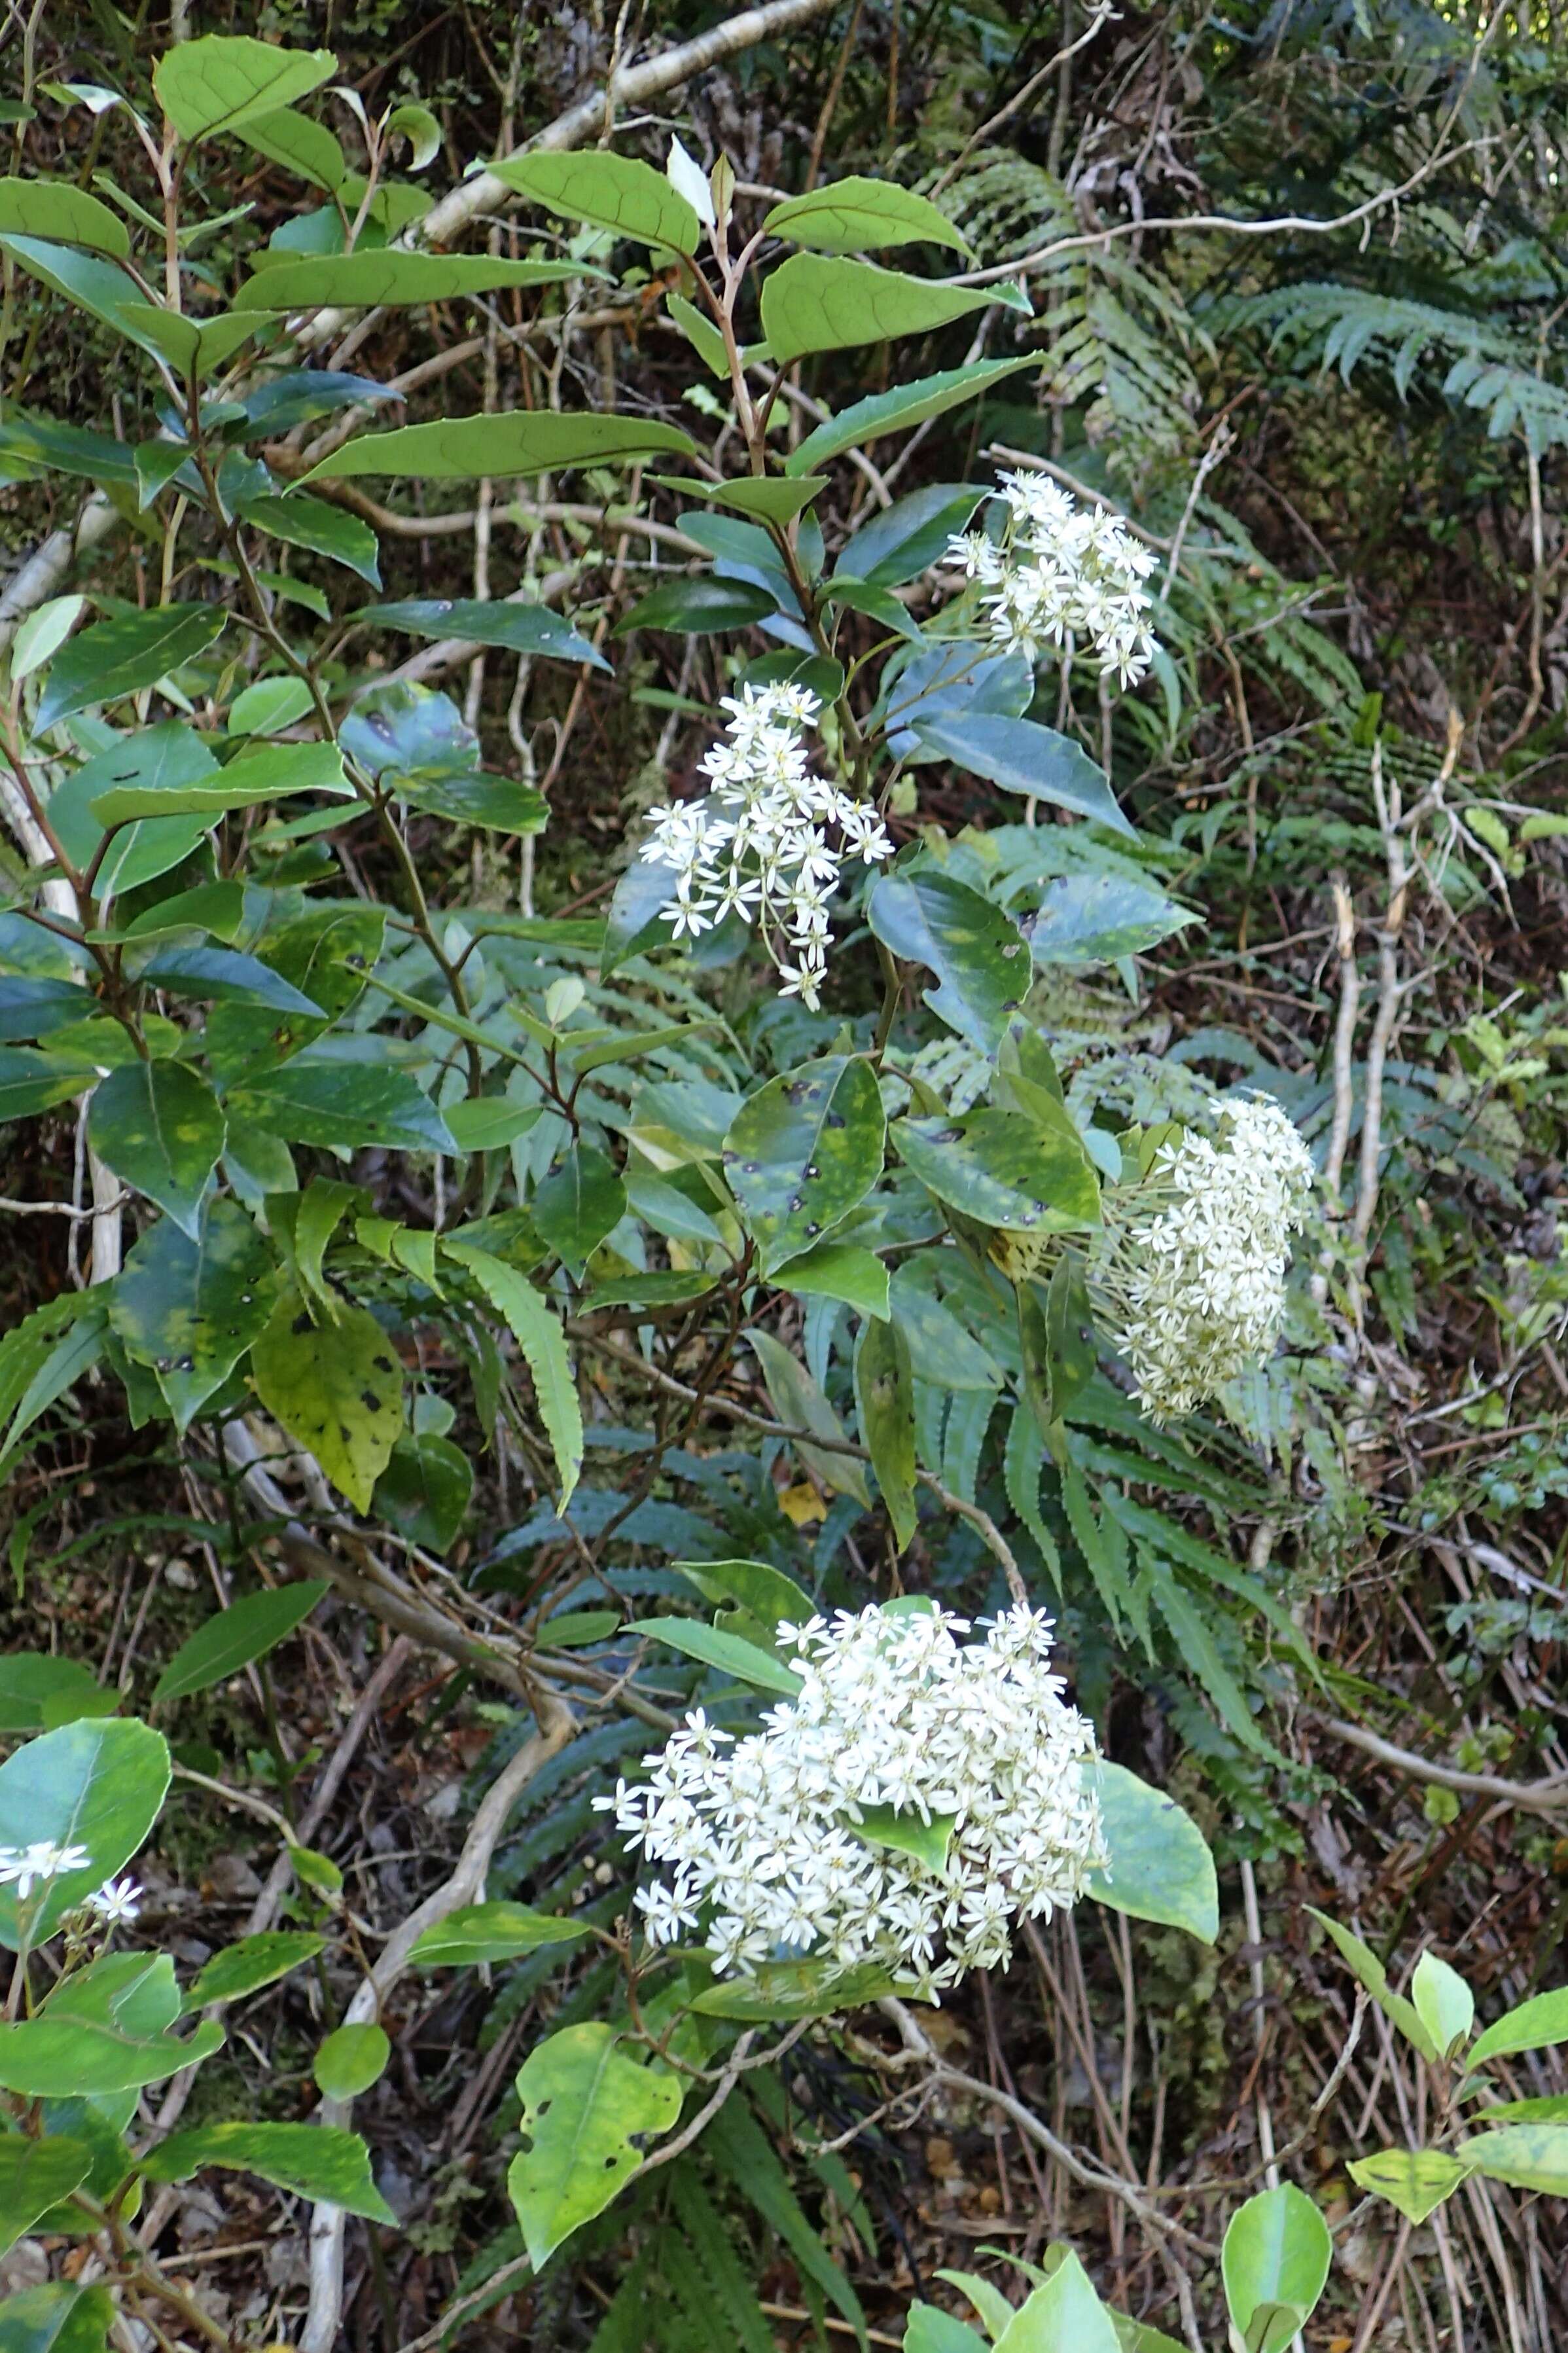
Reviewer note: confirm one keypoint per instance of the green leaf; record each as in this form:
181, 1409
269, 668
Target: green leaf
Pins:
342, 1103
34, 2175
1275, 2261
320, 2162
300, 521
1002, 1170
190, 1308
765, 1593
1369, 1971
516, 443
539, 1336
1063, 2316
351, 2060
491, 1932
160, 1127
904, 1831
419, 127
521, 628
1415, 2180
898, 543
217, 972
337, 1388
729, 1652
885, 1402
989, 2302
1024, 757
489, 1123
698, 607
804, 1151
617, 193
32, 1083
840, 1271
931, 2330
58, 210
494, 802
1527, 2156
860, 215
587, 2112
235, 1638
57, 2318
425, 1489
764, 498
377, 278
1098, 918
783, 1990
253, 1962
262, 771
818, 303
1444, 2003
978, 954
895, 412
38, 1691
169, 758
57, 2058
224, 79
580, 1202
1533, 2026
306, 148
120, 657
797, 1400
576, 1630
1158, 1865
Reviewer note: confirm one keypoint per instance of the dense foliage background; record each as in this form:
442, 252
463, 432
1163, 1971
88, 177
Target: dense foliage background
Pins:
1299, 315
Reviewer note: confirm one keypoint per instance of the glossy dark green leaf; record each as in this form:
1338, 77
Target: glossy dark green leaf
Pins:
247, 1630
253, 1962
1098, 918
700, 606
578, 1202
766, 498
342, 1103
168, 758
365, 279
120, 657
505, 447
327, 951
895, 412
980, 956
860, 215
337, 1387
899, 542
878, 605
817, 303
491, 1932
301, 521
1024, 757
521, 628
425, 1489
31, 1082
31, 1008
220, 973
618, 193
804, 1151
320, 2162
885, 1402
97, 1784
302, 395
160, 1127
999, 1169
190, 1306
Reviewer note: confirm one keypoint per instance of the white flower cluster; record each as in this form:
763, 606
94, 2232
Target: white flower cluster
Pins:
893, 1712
769, 840
1061, 572
24, 1868
1195, 1275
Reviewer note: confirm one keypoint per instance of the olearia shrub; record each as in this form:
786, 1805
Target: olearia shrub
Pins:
778, 1137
